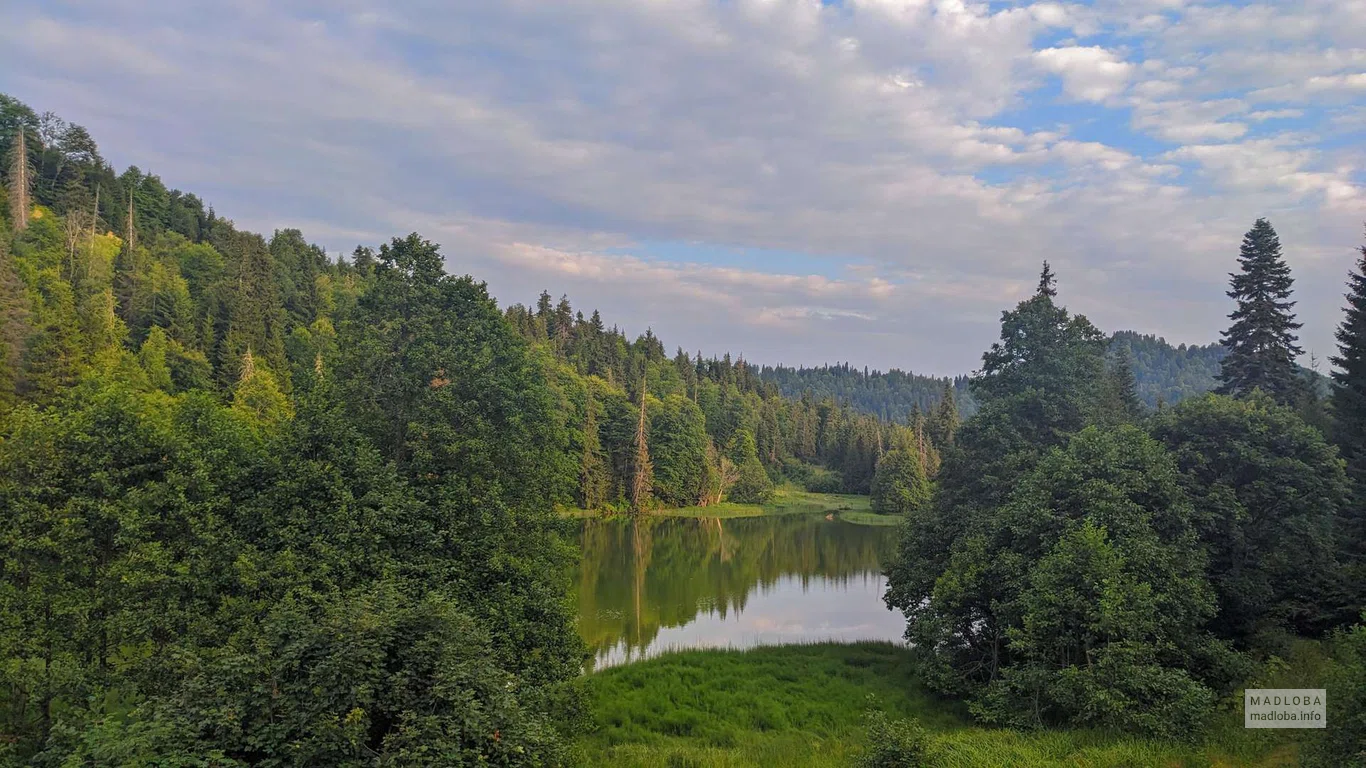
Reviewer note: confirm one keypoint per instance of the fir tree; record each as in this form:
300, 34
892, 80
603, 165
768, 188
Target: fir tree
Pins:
1349, 379
1047, 282
945, 420
1349, 427
1261, 341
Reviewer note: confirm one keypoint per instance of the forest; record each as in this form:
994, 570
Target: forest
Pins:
266, 507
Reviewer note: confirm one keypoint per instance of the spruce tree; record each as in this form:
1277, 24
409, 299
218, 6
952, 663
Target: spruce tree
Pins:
1349, 378
1349, 427
1261, 341
945, 421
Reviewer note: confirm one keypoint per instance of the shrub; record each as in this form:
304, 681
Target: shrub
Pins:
894, 743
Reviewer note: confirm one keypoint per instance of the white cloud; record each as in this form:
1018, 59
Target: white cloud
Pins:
1090, 74
899, 149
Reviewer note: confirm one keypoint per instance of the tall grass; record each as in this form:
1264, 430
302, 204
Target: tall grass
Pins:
804, 706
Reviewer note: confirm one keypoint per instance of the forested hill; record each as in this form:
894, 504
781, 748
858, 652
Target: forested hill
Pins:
1164, 373
893, 395
1168, 374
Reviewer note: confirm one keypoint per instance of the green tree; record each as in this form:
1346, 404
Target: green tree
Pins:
1349, 417
678, 451
1267, 490
257, 396
595, 478
1261, 339
945, 421
1118, 401
899, 486
433, 374
752, 484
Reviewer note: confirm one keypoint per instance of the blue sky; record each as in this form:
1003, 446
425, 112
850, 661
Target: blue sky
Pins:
794, 180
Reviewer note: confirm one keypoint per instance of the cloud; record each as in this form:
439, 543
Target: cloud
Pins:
898, 164
1091, 73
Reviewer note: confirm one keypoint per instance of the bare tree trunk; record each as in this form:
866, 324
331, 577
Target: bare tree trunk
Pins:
21, 181
641, 481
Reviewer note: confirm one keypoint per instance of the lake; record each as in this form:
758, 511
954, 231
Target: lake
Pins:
659, 584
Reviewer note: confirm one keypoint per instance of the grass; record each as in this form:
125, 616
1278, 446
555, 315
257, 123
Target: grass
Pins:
803, 705
787, 500
869, 518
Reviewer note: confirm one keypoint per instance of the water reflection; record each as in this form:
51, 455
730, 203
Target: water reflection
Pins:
659, 583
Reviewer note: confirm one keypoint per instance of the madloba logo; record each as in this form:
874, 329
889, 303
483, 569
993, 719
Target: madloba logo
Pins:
1285, 708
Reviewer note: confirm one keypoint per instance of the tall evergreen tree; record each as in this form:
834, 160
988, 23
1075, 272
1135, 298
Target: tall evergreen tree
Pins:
945, 420
1118, 402
1349, 378
1261, 341
1349, 428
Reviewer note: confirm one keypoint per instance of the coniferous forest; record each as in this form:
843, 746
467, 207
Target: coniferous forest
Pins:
259, 506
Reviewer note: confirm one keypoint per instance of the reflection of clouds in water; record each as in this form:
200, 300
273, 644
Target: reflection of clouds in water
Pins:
657, 583
791, 610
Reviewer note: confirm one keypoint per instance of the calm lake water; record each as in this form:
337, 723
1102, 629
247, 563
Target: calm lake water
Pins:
661, 584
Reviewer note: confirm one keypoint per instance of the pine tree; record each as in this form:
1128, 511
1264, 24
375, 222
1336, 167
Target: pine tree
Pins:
945, 421
1261, 341
642, 472
1047, 282
1118, 402
21, 181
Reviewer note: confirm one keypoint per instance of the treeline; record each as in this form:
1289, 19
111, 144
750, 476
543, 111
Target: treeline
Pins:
894, 395
650, 429
1085, 563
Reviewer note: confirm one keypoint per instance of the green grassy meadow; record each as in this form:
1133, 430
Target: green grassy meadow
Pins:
803, 705
787, 500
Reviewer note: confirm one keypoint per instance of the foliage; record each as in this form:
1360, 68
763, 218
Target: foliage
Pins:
1261, 339
1166, 374
892, 395
1343, 742
1267, 490
752, 484
899, 486
1349, 421
893, 743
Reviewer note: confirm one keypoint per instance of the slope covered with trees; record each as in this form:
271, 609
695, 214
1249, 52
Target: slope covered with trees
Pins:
264, 506
893, 395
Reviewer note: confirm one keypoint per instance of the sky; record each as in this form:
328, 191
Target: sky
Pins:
794, 181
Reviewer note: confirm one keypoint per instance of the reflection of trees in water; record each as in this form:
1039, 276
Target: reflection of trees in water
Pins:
638, 576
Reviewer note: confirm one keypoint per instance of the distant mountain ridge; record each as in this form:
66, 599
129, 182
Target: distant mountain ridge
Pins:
1164, 373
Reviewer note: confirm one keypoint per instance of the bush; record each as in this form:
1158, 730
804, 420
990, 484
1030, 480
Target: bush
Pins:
824, 481
1343, 743
898, 743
